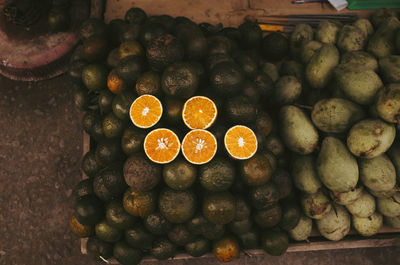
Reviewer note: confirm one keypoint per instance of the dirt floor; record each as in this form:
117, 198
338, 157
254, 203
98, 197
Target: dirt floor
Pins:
40, 152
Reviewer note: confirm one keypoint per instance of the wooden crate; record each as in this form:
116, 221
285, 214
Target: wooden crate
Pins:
232, 13
229, 12
386, 237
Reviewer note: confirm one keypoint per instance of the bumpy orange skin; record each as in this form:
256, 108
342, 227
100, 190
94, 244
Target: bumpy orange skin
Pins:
139, 203
130, 48
79, 229
226, 249
95, 49
115, 83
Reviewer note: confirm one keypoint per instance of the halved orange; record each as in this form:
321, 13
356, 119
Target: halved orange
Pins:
199, 112
146, 111
162, 146
240, 142
115, 83
199, 146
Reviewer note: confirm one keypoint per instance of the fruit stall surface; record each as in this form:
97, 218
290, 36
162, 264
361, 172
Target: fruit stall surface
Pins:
41, 147
40, 150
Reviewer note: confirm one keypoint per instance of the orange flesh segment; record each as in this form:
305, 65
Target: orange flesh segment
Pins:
199, 146
146, 111
240, 142
199, 112
162, 146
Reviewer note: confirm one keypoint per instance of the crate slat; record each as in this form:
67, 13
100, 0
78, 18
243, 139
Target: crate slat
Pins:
229, 12
358, 242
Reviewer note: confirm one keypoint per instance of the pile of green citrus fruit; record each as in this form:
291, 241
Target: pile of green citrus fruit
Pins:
212, 139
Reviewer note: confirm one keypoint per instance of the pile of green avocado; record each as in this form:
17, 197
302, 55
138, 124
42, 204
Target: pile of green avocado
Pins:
345, 155
323, 102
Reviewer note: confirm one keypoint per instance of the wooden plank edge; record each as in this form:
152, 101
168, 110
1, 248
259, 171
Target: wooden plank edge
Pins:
385, 229
85, 149
388, 241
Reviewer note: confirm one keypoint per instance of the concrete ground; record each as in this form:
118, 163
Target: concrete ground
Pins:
40, 152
